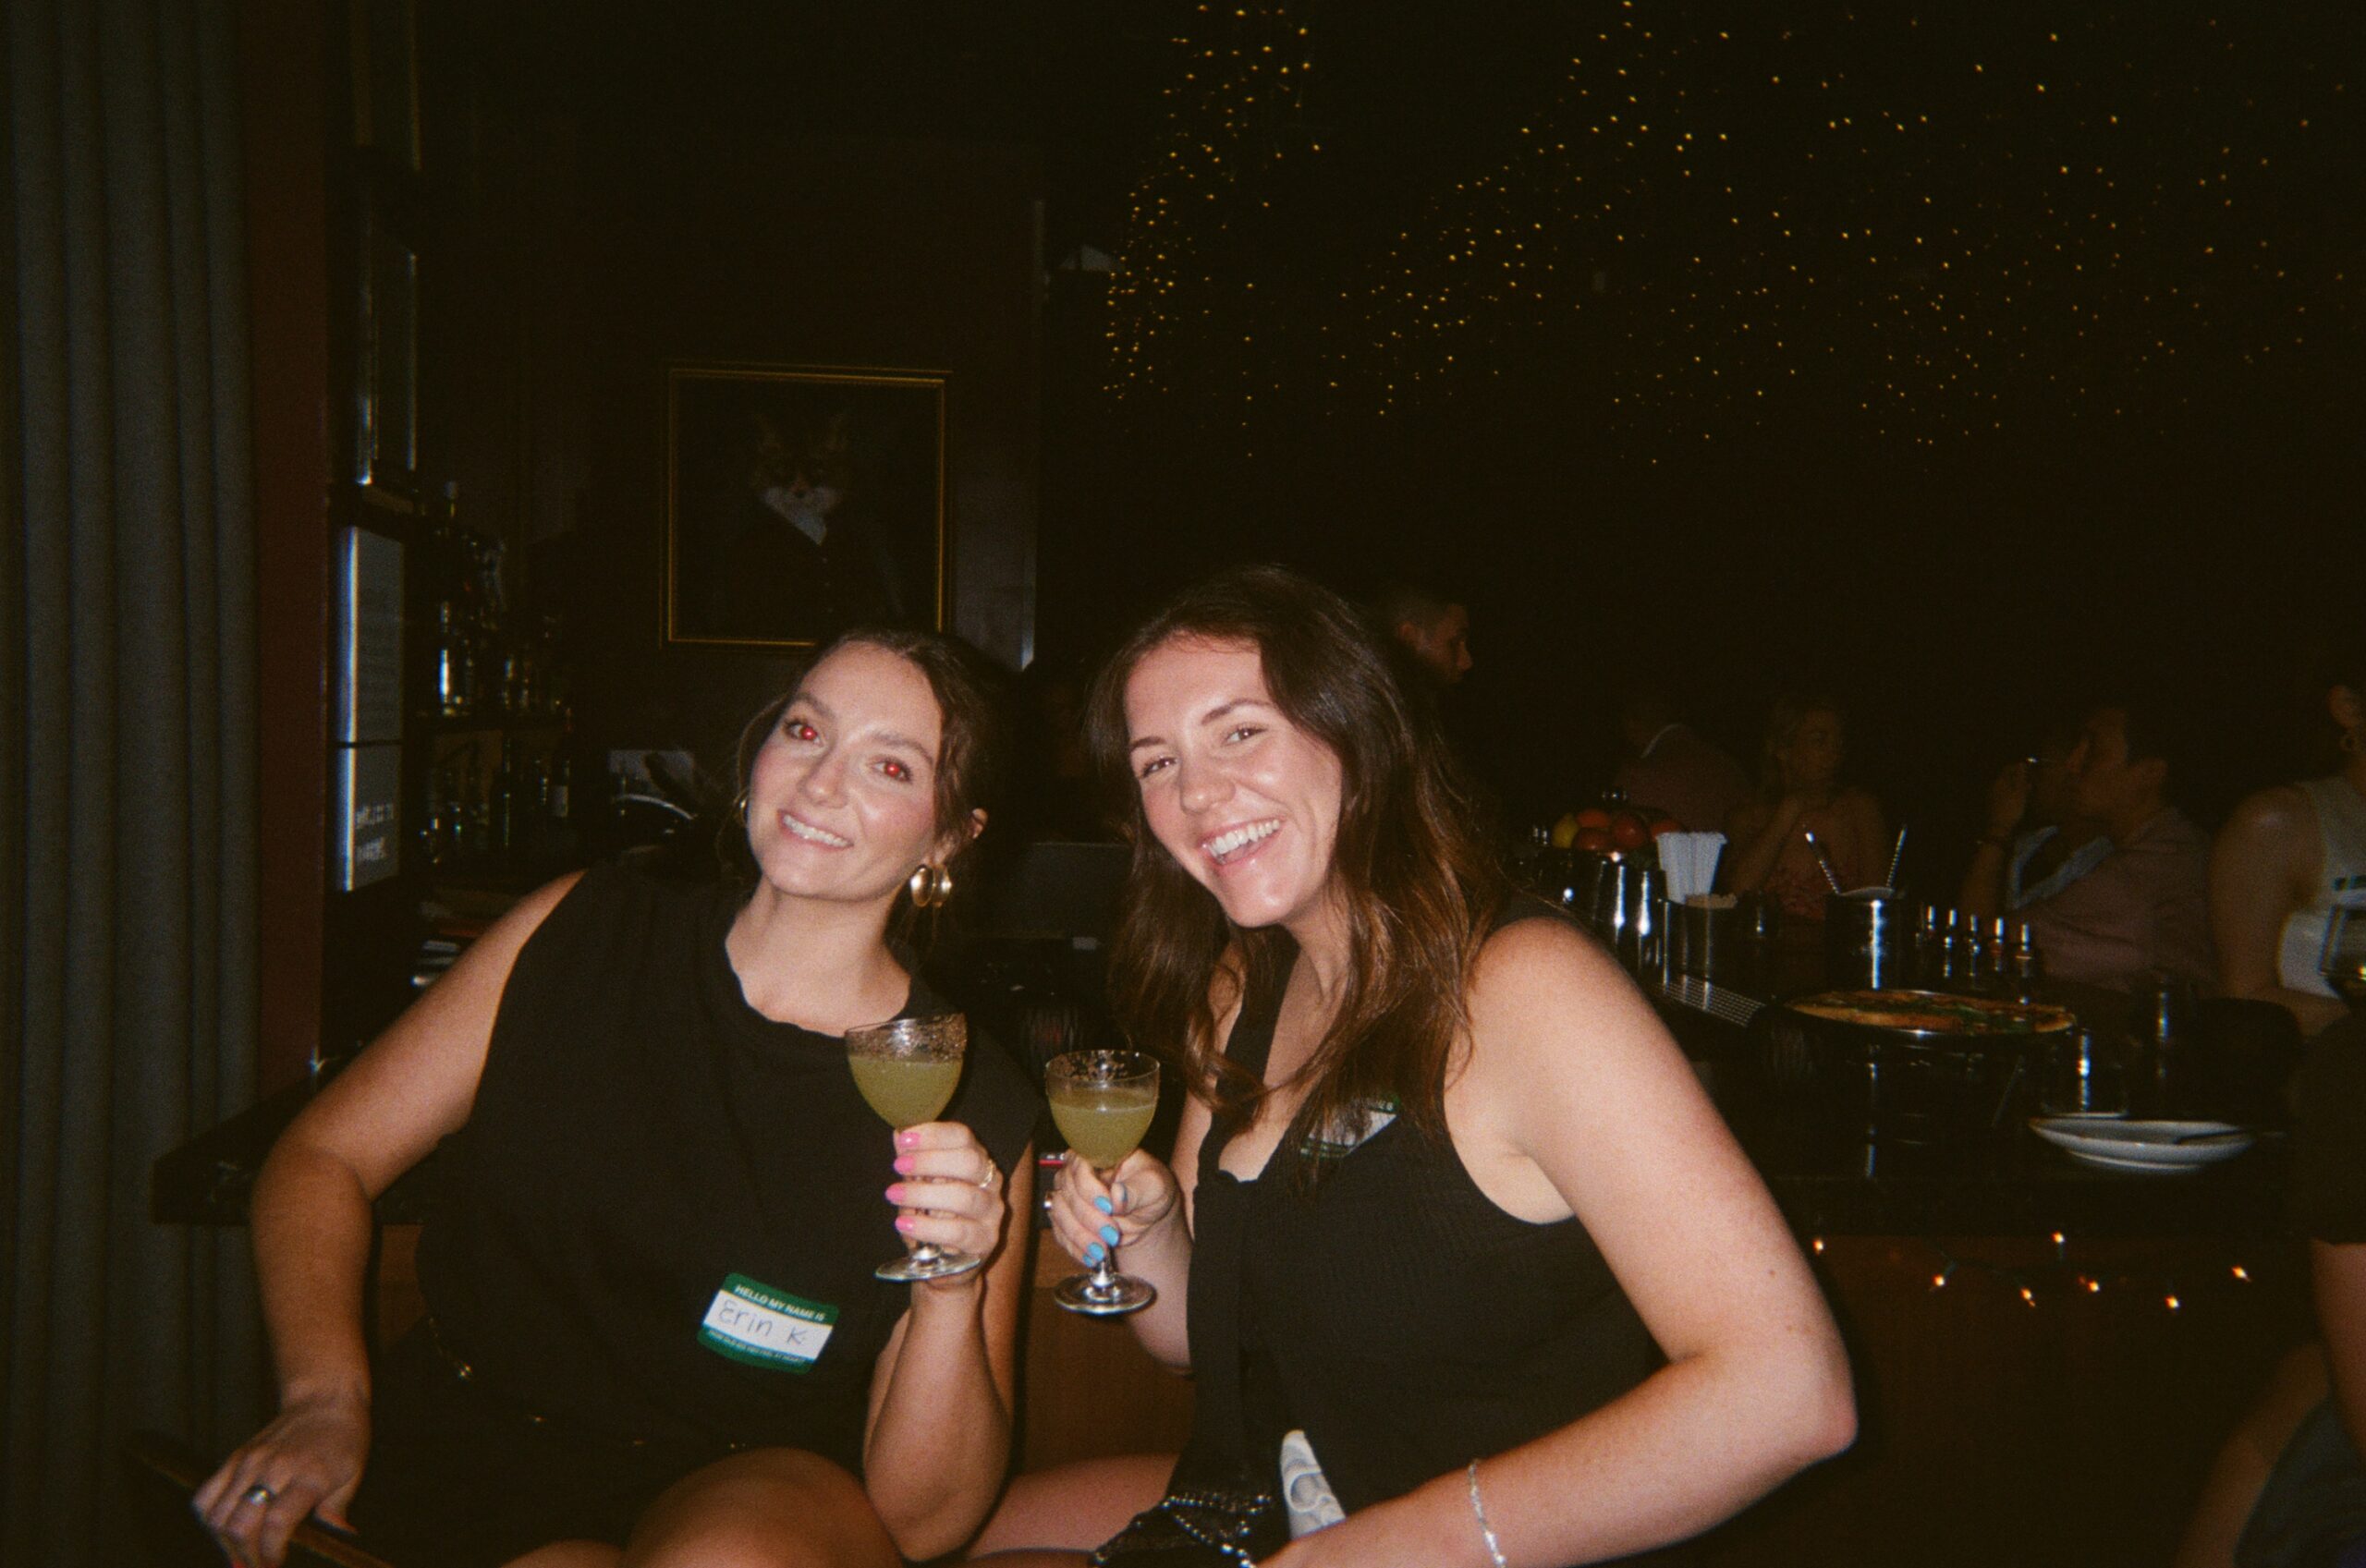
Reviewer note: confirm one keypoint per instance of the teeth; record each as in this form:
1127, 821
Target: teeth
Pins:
810, 834
1226, 845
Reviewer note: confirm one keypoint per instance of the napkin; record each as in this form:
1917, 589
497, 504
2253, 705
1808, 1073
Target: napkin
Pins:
1690, 862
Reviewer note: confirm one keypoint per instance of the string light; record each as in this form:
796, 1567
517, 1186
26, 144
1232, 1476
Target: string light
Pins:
1174, 291
2029, 1284
1699, 231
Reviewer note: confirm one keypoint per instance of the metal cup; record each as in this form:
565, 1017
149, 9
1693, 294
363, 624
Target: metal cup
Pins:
2082, 1079
1642, 938
2168, 1001
1698, 929
1868, 943
1758, 917
1613, 900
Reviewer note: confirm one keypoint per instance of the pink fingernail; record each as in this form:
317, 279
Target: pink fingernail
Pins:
908, 1138
903, 1164
905, 1223
896, 1193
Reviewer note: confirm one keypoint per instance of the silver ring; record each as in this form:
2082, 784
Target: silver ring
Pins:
258, 1494
986, 1181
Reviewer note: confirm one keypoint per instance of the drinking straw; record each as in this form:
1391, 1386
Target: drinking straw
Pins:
1823, 861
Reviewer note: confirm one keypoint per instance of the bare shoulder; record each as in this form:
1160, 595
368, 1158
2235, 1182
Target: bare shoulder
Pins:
417, 1081
2278, 815
1540, 984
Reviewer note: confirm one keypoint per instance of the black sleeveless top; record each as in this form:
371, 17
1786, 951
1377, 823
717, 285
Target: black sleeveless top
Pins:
661, 1220
1393, 1312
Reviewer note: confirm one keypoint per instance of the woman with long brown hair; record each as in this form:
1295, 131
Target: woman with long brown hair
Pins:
1465, 1265
655, 1333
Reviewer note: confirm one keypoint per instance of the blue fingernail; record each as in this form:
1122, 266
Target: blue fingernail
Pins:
1109, 1234
1093, 1253
1102, 1204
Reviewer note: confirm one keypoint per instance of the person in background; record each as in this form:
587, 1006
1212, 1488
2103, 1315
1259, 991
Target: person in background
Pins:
1464, 1263
654, 1332
2142, 909
1801, 793
1672, 766
2288, 857
1437, 632
2288, 1489
2054, 844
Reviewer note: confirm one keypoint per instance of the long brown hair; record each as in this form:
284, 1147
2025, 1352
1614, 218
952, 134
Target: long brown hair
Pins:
1420, 886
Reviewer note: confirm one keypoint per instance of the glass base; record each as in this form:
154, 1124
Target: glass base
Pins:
1123, 1292
915, 1266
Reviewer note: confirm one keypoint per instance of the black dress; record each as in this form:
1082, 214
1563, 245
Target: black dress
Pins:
651, 1246
1390, 1310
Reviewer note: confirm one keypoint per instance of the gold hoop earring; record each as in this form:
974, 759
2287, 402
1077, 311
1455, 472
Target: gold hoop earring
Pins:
739, 805
929, 886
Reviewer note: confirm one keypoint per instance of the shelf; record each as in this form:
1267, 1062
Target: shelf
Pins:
515, 723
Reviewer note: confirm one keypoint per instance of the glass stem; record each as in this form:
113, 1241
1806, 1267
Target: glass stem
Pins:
1104, 1273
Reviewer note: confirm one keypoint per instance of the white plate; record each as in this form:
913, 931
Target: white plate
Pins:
2149, 1147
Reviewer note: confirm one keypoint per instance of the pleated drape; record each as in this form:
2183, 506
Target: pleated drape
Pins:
127, 748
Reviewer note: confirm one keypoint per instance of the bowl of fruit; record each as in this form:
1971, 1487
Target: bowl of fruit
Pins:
1612, 827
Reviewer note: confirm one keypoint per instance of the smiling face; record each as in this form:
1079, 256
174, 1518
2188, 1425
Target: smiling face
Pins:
1241, 796
842, 795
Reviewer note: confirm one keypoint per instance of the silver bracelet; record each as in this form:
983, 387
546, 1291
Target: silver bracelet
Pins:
1486, 1531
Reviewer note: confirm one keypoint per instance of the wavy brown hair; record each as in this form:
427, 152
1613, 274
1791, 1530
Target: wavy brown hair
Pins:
1420, 885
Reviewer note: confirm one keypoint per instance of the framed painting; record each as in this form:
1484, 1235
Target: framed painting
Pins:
801, 501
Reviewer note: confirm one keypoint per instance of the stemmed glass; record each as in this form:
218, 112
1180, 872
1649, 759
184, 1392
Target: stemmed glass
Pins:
906, 1069
1103, 1102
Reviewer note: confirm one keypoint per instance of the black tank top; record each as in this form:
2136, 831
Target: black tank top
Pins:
1393, 1311
661, 1220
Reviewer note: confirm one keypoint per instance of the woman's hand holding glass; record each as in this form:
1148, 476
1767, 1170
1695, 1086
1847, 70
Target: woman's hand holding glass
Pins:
949, 1190
1132, 1201
906, 1069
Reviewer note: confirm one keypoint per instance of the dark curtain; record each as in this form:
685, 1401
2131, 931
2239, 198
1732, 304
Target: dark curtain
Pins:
127, 748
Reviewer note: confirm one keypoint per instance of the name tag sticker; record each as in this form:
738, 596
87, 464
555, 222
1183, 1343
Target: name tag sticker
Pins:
764, 1327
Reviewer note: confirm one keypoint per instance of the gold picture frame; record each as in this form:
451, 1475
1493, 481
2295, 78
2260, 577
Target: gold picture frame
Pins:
801, 500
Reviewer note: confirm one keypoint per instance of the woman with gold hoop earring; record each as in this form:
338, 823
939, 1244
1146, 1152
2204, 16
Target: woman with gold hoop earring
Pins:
648, 1127
2290, 856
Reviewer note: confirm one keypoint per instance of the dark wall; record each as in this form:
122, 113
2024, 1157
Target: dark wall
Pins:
285, 126
598, 232
1951, 602
907, 255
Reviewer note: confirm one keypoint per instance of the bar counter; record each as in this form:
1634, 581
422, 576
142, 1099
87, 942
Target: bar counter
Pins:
2047, 1355
1834, 1178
